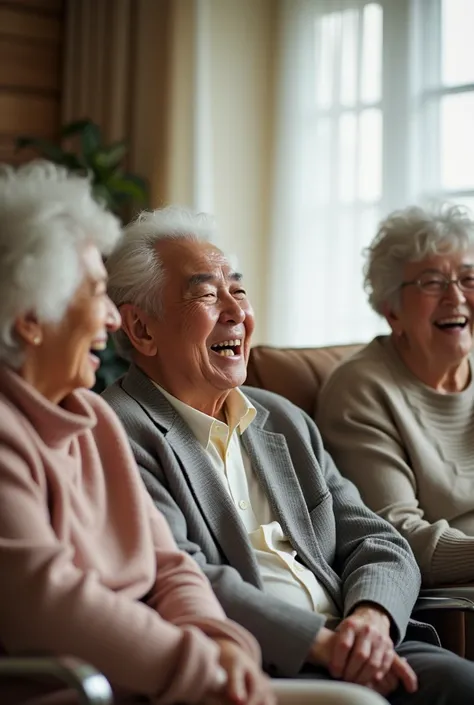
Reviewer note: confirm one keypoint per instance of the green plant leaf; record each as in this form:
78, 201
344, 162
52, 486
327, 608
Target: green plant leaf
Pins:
91, 140
111, 157
103, 193
75, 127
129, 186
47, 149
141, 183
73, 162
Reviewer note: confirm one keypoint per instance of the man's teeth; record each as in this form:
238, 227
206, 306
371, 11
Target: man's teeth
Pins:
226, 347
227, 344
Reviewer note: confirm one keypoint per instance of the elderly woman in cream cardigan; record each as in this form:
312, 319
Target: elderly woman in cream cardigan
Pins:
398, 416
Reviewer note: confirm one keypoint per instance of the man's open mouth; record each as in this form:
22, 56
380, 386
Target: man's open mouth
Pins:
452, 322
227, 348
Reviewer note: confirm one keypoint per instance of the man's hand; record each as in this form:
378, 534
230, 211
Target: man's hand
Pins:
361, 651
399, 672
246, 682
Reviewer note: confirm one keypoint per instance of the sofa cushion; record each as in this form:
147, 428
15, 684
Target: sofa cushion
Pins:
295, 373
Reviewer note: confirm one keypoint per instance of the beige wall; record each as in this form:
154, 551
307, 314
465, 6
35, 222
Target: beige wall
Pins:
239, 88
242, 79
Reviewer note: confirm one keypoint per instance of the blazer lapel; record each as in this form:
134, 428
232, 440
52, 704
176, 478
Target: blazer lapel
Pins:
273, 465
211, 496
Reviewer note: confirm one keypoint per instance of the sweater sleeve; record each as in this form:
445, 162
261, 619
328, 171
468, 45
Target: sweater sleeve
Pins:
48, 604
361, 434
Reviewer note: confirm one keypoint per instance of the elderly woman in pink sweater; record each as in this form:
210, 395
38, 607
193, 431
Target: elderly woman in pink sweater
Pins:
88, 565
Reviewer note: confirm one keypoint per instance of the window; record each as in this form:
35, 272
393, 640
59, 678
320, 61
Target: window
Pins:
445, 100
382, 115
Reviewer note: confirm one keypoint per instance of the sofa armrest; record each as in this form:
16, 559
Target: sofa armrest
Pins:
90, 685
451, 597
441, 602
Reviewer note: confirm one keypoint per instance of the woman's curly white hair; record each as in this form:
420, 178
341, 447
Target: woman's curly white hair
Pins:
411, 235
46, 213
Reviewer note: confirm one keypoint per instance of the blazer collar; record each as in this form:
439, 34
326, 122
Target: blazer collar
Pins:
210, 494
139, 386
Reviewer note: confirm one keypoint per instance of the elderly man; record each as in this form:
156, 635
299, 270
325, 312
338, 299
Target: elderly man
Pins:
325, 585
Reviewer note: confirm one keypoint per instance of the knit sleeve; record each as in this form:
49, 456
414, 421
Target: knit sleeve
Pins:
48, 604
359, 429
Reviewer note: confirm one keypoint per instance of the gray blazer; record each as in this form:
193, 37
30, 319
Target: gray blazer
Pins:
355, 554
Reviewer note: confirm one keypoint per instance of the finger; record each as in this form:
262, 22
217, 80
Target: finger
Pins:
236, 689
266, 696
404, 672
387, 685
360, 655
343, 644
377, 664
386, 664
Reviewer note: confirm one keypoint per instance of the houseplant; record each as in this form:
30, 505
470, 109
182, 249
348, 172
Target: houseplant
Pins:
81, 149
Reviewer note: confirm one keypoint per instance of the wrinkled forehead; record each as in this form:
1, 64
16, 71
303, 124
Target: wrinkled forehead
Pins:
448, 261
187, 261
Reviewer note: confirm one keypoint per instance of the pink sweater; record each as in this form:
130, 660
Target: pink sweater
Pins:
88, 565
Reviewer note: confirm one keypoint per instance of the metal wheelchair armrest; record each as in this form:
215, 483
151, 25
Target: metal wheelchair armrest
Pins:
91, 686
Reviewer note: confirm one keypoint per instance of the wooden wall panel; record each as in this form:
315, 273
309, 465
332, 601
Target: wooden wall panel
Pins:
31, 62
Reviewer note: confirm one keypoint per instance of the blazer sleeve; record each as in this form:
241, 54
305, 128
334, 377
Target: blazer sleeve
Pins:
285, 633
359, 431
182, 595
374, 561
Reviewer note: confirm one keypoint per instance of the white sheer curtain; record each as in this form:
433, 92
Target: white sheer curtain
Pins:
372, 114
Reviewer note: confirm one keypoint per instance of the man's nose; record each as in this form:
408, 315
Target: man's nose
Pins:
114, 319
232, 310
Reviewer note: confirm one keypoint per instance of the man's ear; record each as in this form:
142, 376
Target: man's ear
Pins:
29, 329
137, 325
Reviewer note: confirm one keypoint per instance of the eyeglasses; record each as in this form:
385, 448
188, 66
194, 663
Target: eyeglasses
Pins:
435, 283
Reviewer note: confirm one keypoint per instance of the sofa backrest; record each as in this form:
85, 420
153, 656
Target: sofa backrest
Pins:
295, 373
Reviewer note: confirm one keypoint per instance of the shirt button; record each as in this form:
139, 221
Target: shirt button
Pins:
243, 504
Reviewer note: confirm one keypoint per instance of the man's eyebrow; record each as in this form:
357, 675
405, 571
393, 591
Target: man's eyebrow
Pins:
205, 278
197, 279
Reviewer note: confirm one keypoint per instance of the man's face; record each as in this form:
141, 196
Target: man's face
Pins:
204, 332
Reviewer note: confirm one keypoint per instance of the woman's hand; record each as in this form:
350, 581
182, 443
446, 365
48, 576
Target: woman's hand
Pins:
246, 682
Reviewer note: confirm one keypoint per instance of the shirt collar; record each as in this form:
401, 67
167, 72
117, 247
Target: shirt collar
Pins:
240, 413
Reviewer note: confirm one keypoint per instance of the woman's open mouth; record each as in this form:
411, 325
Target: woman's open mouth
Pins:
452, 324
96, 346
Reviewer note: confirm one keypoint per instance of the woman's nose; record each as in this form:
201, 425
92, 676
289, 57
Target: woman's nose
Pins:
454, 292
114, 319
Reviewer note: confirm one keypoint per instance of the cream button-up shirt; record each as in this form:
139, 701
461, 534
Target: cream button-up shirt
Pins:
282, 574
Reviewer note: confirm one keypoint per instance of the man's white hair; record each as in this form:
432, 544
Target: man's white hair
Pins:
46, 213
411, 235
135, 269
